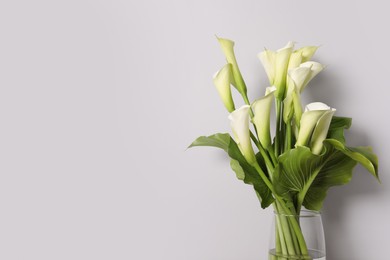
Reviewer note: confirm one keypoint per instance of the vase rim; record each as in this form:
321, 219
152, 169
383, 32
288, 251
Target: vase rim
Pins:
305, 213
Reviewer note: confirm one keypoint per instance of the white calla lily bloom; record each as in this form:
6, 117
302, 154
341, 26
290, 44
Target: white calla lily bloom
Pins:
301, 55
228, 49
297, 80
222, 80
261, 109
314, 126
307, 52
276, 65
295, 60
302, 75
239, 121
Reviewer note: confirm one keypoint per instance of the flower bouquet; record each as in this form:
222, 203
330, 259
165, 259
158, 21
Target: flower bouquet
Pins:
294, 168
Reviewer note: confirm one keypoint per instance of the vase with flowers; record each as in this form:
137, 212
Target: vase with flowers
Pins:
291, 170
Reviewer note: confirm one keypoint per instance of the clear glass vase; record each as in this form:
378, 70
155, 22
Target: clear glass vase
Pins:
297, 237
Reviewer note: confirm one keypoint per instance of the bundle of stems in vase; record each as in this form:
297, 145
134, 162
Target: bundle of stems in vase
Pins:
306, 155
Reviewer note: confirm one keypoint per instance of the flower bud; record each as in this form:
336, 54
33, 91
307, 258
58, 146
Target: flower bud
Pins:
261, 109
222, 80
239, 121
228, 49
314, 126
276, 65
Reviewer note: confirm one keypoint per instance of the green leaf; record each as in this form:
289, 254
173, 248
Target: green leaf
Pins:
236, 167
315, 197
295, 172
336, 170
337, 127
217, 140
340, 122
304, 177
361, 154
249, 175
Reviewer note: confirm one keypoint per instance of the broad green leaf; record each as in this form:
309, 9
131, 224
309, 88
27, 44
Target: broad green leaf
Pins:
216, 140
337, 127
338, 163
362, 155
249, 175
336, 169
304, 177
315, 197
295, 172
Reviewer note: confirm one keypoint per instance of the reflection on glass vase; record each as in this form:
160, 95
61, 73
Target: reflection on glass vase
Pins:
297, 237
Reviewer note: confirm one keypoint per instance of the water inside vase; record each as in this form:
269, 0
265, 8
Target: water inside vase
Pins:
314, 255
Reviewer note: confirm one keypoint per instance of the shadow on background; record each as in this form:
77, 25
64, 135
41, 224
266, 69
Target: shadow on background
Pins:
335, 209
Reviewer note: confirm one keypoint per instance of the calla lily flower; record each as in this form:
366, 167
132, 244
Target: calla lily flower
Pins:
276, 65
297, 80
292, 105
228, 49
295, 60
307, 52
301, 55
314, 126
239, 121
321, 131
222, 80
303, 74
261, 119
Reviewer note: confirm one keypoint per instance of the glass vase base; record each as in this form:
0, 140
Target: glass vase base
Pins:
313, 255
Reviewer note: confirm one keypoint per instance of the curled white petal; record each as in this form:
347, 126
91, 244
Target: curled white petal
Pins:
281, 65
222, 80
295, 60
239, 122
307, 52
270, 90
314, 125
276, 65
267, 58
302, 75
298, 77
317, 106
289, 45
228, 49
321, 131
261, 119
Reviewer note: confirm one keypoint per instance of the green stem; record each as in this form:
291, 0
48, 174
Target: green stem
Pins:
287, 233
277, 127
294, 239
272, 155
270, 165
288, 137
280, 243
245, 97
282, 131
285, 210
297, 230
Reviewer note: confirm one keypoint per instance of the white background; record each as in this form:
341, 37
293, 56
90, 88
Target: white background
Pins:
99, 100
